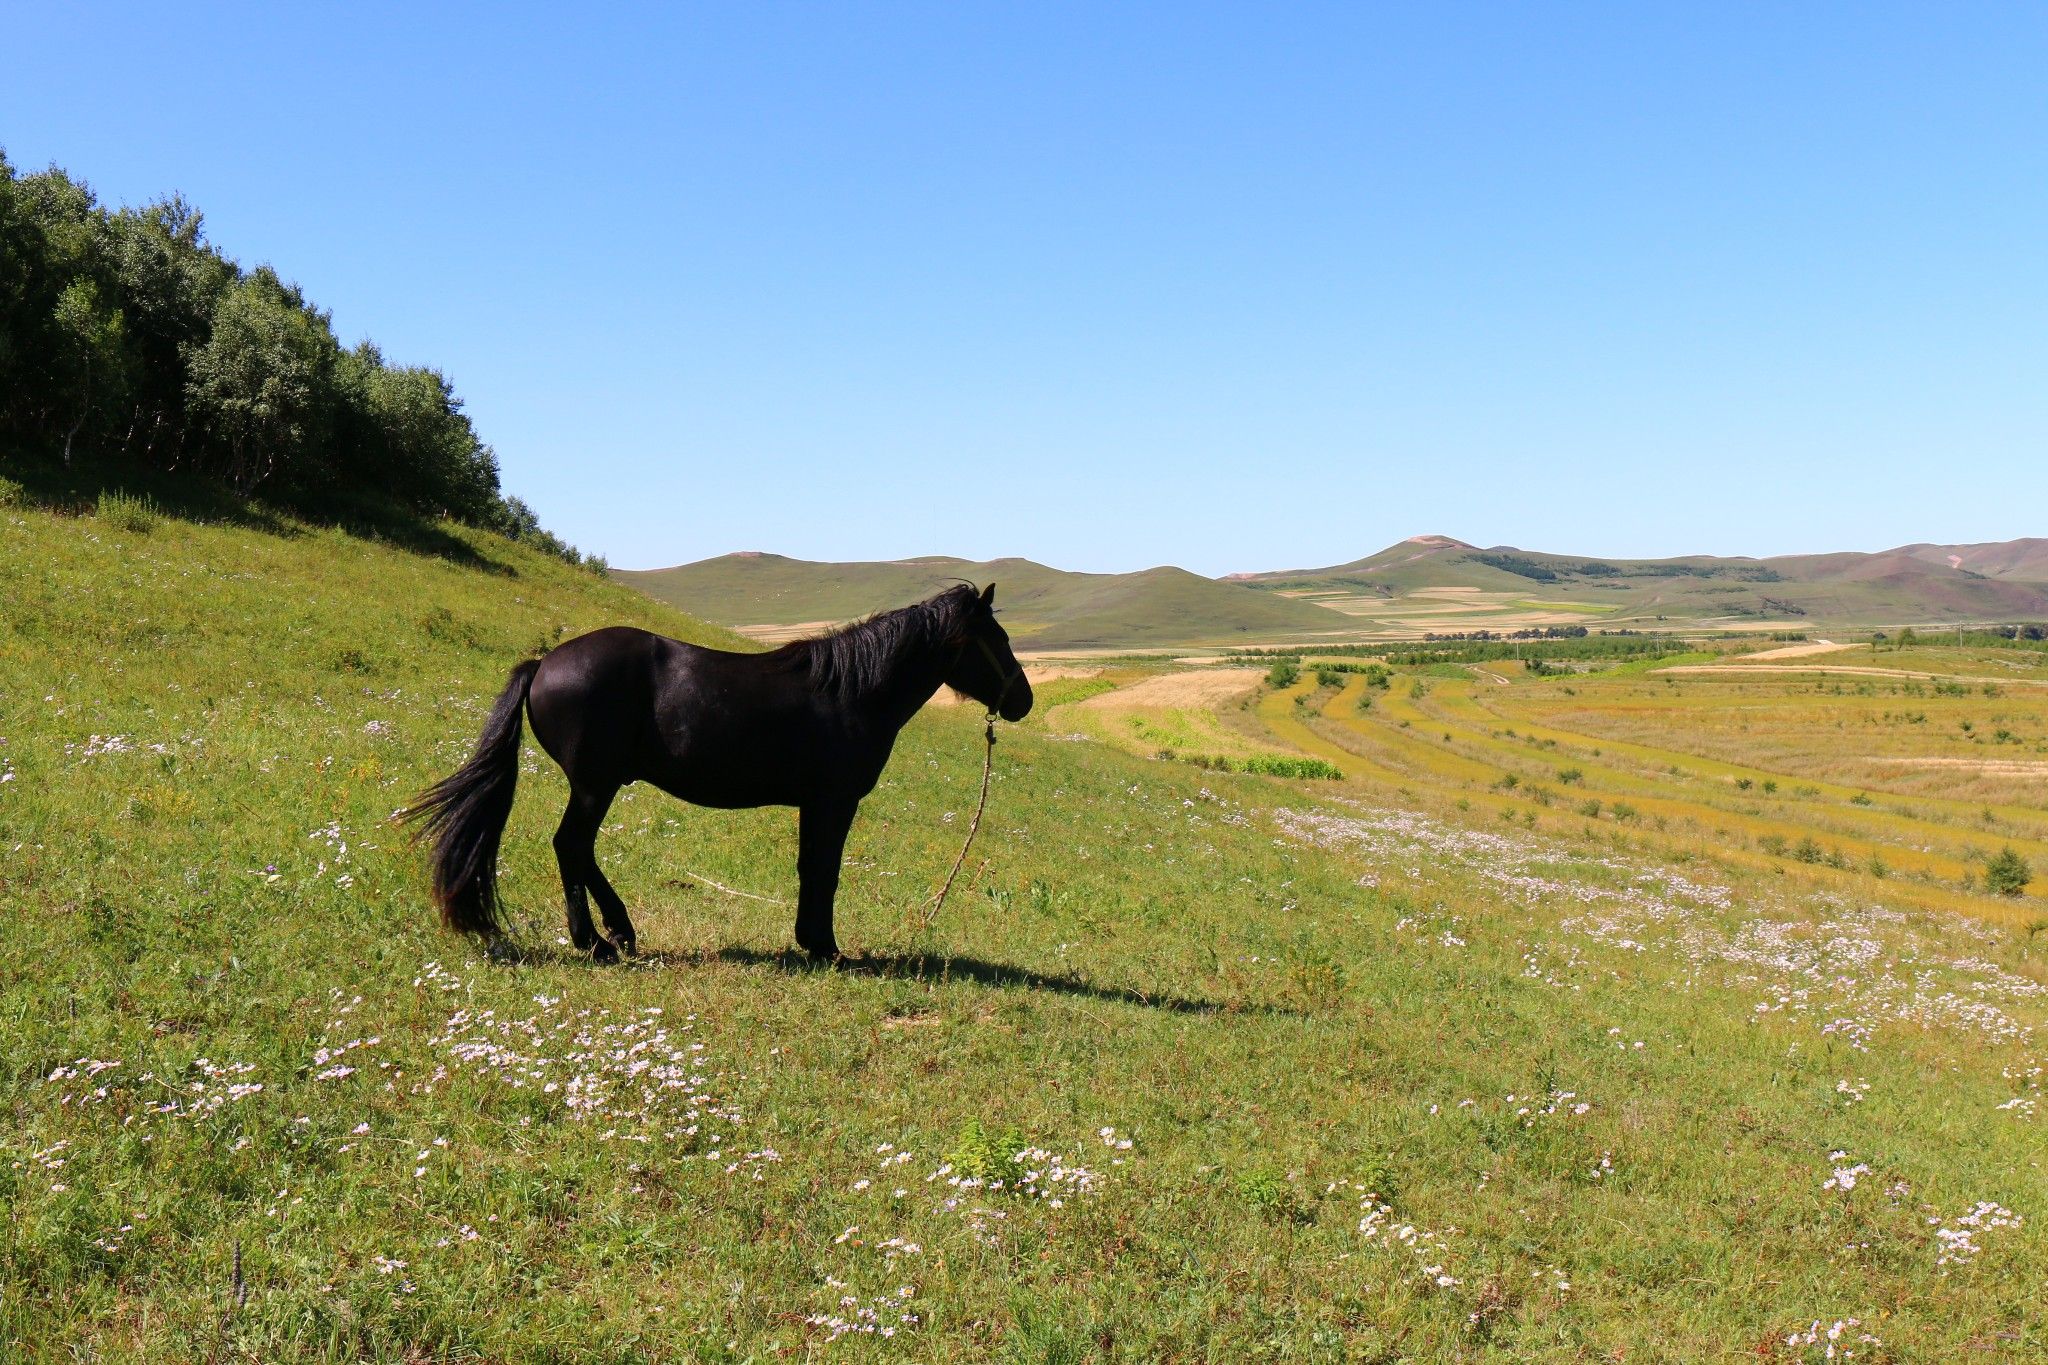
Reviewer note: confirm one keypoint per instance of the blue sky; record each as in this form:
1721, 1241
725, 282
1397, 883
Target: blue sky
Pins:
1233, 287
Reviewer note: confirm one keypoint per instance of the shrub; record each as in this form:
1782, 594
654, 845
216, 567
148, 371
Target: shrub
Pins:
12, 494
1280, 765
1860, 799
1773, 844
1590, 809
1568, 776
1624, 811
1329, 677
1267, 1190
2008, 873
1284, 673
984, 1154
126, 512
1806, 850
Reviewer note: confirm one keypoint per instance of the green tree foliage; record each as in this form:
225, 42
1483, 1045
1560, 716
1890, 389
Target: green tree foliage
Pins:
262, 387
2008, 873
128, 341
89, 346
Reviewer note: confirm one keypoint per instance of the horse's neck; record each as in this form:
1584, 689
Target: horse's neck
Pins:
914, 681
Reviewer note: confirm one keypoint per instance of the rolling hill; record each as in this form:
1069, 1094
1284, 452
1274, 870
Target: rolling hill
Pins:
771, 597
2024, 560
1915, 584
1429, 584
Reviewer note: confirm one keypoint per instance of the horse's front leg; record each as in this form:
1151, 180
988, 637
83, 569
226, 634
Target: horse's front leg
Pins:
821, 843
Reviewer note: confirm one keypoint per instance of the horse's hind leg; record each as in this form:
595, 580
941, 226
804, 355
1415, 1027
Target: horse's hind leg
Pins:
576, 855
618, 925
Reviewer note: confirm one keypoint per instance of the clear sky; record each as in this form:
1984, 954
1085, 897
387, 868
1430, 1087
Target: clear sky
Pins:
1234, 287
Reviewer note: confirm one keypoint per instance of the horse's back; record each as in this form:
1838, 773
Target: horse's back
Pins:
592, 702
625, 705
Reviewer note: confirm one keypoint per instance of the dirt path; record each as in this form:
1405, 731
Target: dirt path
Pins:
1990, 767
1794, 651
1896, 674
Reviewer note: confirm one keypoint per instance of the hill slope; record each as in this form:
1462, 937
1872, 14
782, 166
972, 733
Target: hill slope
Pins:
2025, 559
1198, 1066
1043, 608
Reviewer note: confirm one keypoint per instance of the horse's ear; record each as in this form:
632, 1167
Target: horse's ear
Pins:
988, 596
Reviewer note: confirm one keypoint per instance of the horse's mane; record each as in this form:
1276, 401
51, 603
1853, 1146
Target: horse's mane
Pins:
858, 658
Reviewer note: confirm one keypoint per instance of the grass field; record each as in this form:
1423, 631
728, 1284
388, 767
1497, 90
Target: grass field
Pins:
1415, 1065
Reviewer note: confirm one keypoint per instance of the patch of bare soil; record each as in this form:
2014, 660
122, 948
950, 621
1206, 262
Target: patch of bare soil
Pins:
1197, 687
1795, 651
1033, 674
1993, 767
782, 635
1896, 674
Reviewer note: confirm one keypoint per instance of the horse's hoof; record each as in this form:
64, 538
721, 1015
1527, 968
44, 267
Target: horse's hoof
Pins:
629, 947
825, 952
602, 951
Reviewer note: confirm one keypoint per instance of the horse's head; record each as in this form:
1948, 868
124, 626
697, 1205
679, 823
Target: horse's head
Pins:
987, 670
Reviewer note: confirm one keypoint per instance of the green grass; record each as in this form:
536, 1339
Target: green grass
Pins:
1638, 667
1315, 1029
127, 512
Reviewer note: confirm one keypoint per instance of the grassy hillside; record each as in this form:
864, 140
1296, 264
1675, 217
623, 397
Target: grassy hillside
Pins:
2025, 559
1198, 1066
1043, 608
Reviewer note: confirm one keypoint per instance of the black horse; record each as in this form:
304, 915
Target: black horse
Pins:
808, 725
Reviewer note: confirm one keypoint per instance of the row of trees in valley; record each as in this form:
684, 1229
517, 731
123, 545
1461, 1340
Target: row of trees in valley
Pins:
128, 340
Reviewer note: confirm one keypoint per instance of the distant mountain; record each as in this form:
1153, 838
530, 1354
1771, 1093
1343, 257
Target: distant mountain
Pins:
1909, 585
1432, 584
1414, 550
772, 597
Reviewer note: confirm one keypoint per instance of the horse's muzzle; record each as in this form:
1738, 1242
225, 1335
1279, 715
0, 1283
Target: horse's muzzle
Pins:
1017, 704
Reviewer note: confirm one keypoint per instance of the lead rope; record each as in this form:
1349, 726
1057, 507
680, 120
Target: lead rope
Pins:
988, 763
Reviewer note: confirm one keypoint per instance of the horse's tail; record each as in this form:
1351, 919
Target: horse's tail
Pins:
465, 813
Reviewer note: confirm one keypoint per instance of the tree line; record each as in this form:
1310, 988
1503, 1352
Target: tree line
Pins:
128, 340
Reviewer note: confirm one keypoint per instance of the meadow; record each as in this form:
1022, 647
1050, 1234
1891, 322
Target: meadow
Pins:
1414, 1064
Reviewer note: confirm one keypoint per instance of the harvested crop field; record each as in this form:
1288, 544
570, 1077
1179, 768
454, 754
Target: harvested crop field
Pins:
1193, 688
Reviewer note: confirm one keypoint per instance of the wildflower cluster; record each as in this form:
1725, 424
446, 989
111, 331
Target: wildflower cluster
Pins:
882, 1316
1956, 1237
641, 1076
1379, 1227
1833, 1339
1845, 1176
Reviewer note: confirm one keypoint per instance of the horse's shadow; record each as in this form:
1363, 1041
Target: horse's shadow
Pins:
936, 968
